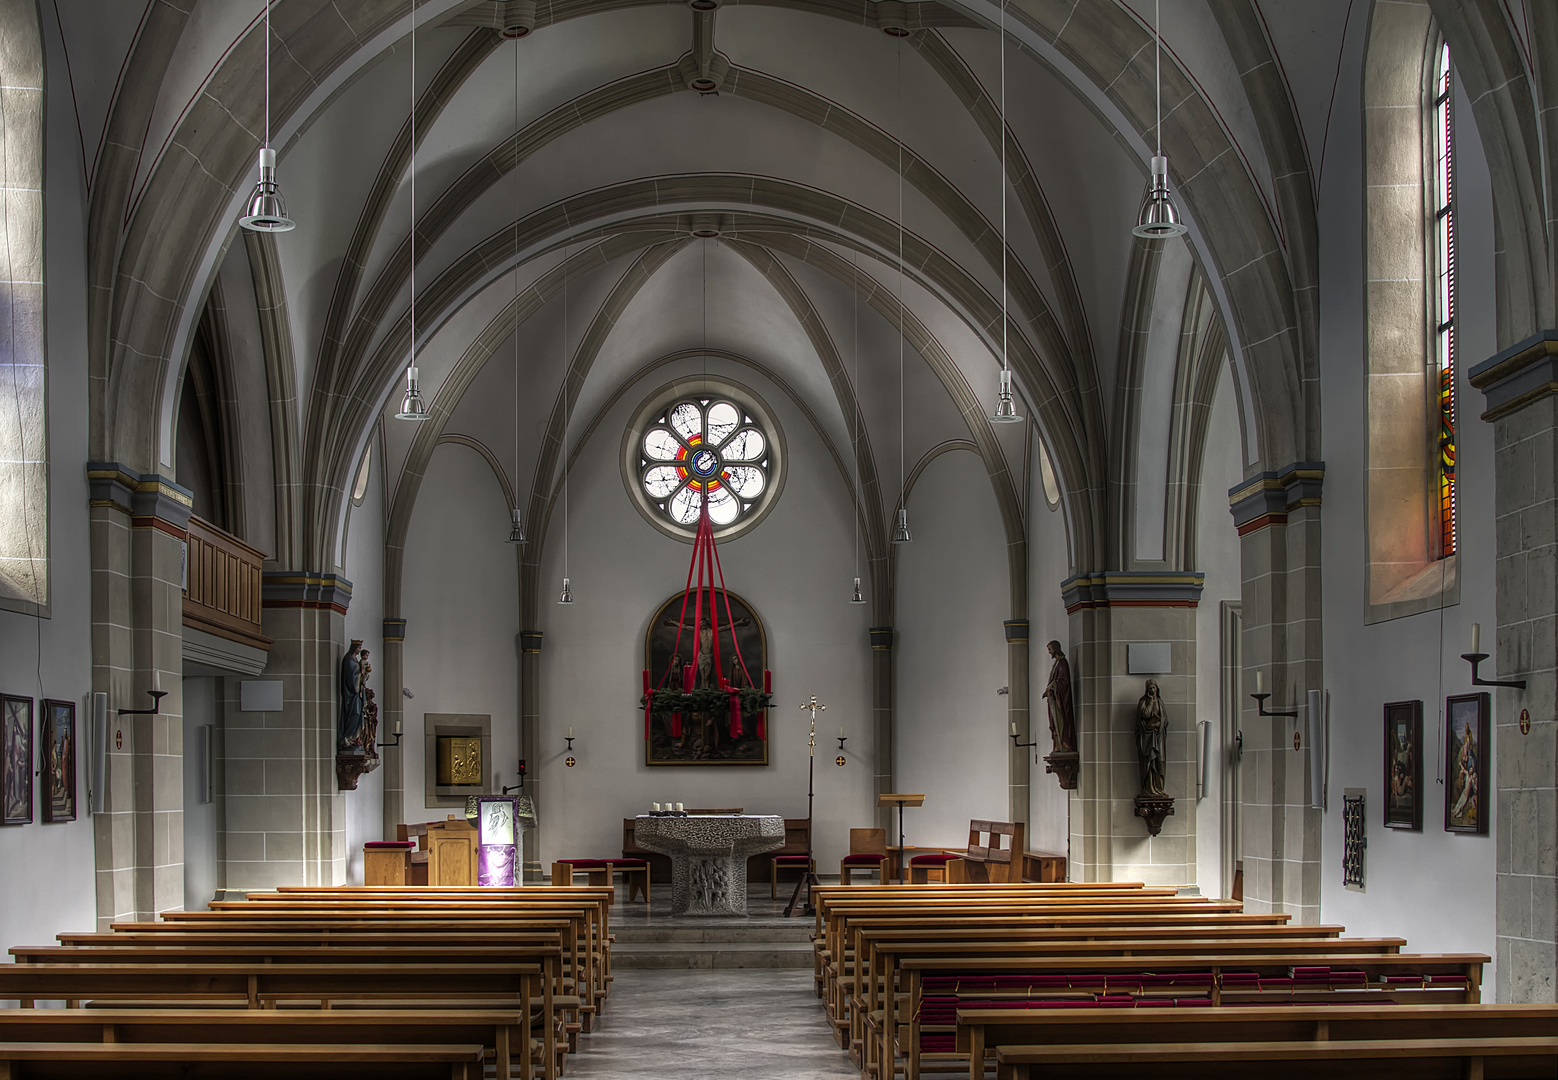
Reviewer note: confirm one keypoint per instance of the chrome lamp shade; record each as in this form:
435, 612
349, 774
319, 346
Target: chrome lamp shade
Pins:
567, 595
901, 533
1006, 405
412, 407
857, 597
517, 529
266, 212
1158, 219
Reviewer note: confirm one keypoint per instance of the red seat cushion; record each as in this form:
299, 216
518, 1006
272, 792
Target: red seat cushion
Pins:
863, 860
389, 845
586, 864
938, 858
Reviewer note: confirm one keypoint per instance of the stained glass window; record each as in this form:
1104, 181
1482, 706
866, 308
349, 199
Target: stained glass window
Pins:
1442, 248
704, 449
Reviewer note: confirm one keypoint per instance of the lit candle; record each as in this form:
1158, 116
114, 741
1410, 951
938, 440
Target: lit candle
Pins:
1476, 637
1260, 681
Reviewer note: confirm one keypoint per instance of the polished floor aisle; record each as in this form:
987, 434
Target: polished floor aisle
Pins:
757, 1024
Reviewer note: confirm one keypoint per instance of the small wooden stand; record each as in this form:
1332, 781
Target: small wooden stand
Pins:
900, 801
451, 852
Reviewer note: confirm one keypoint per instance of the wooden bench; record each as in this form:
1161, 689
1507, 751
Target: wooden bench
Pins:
242, 1061
1219, 979
979, 1030
1480, 1058
994, 851
634, 871
504, 1035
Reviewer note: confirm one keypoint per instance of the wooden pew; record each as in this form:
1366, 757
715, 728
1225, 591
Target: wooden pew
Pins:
503, 1034
1221, 984
241, 1061
981, 1030
1480, 1058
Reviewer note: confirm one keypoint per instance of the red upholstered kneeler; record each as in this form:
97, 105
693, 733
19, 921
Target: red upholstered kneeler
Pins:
921, 867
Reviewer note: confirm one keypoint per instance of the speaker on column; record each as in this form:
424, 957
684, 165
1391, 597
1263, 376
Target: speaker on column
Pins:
1314, 718
97, 757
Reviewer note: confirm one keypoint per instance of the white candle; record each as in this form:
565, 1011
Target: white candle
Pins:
678, 808
397, 727
1260, 681
1014, 728
1476, 637
655, 806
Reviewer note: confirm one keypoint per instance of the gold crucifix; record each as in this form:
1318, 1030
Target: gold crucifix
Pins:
814, 707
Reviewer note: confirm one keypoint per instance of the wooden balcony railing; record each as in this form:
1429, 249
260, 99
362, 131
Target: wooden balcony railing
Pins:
223, 594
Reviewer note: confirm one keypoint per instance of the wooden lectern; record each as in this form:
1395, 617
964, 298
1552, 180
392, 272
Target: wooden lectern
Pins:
900, 801
451, 852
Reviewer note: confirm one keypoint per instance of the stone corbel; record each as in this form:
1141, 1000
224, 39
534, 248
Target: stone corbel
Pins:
1153, 809
1065, 765
351, 766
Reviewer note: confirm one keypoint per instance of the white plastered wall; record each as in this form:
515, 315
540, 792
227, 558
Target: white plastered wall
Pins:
1432, 887
365, 619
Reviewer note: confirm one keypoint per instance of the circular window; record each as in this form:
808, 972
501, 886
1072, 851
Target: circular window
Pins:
703, 441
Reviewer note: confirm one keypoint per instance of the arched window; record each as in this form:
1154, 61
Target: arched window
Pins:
1442, 200
24, 448
1409, 251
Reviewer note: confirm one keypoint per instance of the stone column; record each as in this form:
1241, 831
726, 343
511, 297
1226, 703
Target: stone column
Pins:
138, 542
286, 820
882, 721
1109, 611
529, 738
392, 720
1277, 514
1519, 385
1017, 713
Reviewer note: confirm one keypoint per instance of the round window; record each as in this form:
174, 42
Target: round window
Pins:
703, 441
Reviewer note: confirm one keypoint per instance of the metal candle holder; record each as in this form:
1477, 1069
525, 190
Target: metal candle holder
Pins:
1476, 659
156, 705
1260, 701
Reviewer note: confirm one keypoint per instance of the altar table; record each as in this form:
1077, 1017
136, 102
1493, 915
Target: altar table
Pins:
709, 857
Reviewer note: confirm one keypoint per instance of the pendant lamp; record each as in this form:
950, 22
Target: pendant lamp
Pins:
901, 533
412, 407
517, 528
1005, 404
1158, 219
857, 597
266, 212
567, 594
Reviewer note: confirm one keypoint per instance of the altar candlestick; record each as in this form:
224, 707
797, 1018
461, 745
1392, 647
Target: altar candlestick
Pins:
1476, 637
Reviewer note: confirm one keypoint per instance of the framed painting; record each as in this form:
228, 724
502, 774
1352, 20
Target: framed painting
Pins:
1466, 764
704, 738
1404, 765
16, 744
57, 738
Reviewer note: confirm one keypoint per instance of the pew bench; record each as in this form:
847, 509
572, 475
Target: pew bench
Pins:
241, 1061
1364, 1058
503, 1034
982, 1030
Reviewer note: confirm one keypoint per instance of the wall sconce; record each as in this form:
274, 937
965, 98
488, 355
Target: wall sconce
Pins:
156, 705
570, 760
1477, 656
1022, 745
1260, 700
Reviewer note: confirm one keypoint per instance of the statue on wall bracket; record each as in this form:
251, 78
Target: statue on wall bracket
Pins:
1153, 804
357, 726
1064, 760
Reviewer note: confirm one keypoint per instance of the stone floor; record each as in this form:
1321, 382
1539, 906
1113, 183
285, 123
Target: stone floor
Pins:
711, 1025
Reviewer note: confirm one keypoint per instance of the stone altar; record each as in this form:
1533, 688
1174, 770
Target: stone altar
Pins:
709, 857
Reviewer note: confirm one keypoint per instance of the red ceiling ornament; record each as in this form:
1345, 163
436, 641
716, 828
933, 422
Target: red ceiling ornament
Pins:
699, 590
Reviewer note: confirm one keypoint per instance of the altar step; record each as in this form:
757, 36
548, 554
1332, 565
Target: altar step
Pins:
763, 945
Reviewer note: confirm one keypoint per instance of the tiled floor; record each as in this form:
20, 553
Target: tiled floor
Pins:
711, 1025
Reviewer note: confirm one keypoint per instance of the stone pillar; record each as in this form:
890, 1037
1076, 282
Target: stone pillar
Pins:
392, 723
286, 820
1519, 385
1277, 514
138, 543
1017, 713
1110, 611
882, 721
529, 738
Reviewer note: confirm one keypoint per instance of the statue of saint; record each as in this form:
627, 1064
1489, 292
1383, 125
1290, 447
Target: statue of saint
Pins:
1057, 693
370, 722
1151, 732
349, 730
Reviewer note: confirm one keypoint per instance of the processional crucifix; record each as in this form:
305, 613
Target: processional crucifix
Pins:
809, 878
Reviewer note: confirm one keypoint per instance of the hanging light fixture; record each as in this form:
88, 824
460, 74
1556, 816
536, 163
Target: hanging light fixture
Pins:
412, 407
517, 528
266, 212
1158, 219
901, 533
857, 597
567, 594
1006, 404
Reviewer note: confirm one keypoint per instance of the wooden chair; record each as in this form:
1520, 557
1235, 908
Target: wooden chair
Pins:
795, 855
989, 858
932, 866
867, 851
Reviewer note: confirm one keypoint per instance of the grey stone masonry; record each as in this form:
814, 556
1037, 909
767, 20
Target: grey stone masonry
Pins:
1524, 410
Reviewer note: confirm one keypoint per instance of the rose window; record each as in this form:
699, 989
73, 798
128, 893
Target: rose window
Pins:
704, 450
